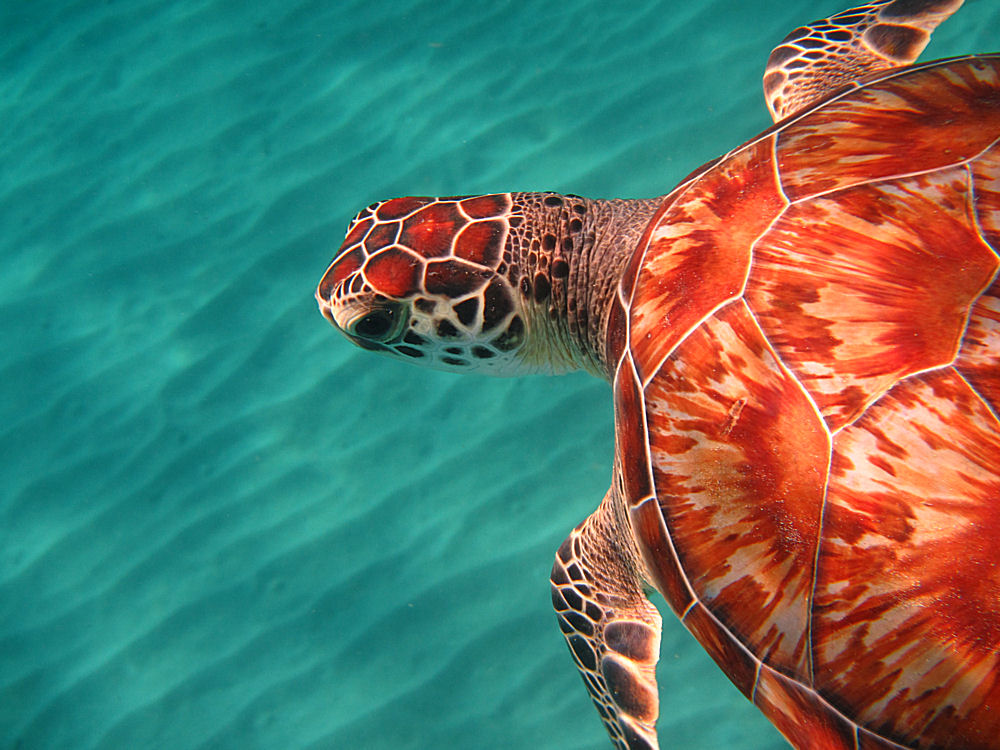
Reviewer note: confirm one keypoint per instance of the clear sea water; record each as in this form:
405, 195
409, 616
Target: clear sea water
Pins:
221, 526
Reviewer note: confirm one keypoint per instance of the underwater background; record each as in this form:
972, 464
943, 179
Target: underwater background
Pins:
222, 526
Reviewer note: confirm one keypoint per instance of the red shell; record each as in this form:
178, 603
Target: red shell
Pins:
808, 383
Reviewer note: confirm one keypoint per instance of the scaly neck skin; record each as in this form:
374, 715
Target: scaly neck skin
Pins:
565, 258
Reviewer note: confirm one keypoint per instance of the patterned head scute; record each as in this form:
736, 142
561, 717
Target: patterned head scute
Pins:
422, 278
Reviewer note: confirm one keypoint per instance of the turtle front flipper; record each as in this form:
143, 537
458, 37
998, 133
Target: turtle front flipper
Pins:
612, 629
831, 53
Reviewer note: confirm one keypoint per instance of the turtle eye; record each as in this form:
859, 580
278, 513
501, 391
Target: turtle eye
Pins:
378, 325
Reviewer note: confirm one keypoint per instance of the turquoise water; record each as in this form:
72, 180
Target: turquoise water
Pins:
220, 525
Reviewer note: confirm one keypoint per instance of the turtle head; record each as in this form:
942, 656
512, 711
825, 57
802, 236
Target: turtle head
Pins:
424, 279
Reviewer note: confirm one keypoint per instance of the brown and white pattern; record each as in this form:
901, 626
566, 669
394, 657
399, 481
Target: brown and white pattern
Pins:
843, 49
611, 628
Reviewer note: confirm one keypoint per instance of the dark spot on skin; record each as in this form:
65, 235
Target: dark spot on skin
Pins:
481, 352
515, 221
446, 330
575, 225
583, 651
409, 351
498, 305
560, 269
356, 283
559, 576
553, 200
580, 623
594, 612
596, 688
632, 738
415, 339
897, 41
454, 361
467, 310
580, 209
452, 278
542, 287
424, 305
573, 598
502, 269
525, 286
512, 337
630, 639
515, 270
630, 695
567, 244
455, 350
549, 242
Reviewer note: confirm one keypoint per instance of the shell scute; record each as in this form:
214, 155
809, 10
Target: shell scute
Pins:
909, 566
801, 715
724, 649
659, 556
860, 288
925, 119
986, 178
630, 436
979, 359
698, 252
744, 501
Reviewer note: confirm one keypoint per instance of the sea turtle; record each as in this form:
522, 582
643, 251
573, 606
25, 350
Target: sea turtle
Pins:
803, 342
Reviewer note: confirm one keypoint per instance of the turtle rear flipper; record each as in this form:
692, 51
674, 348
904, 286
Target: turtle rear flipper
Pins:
612, 629
831, 53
